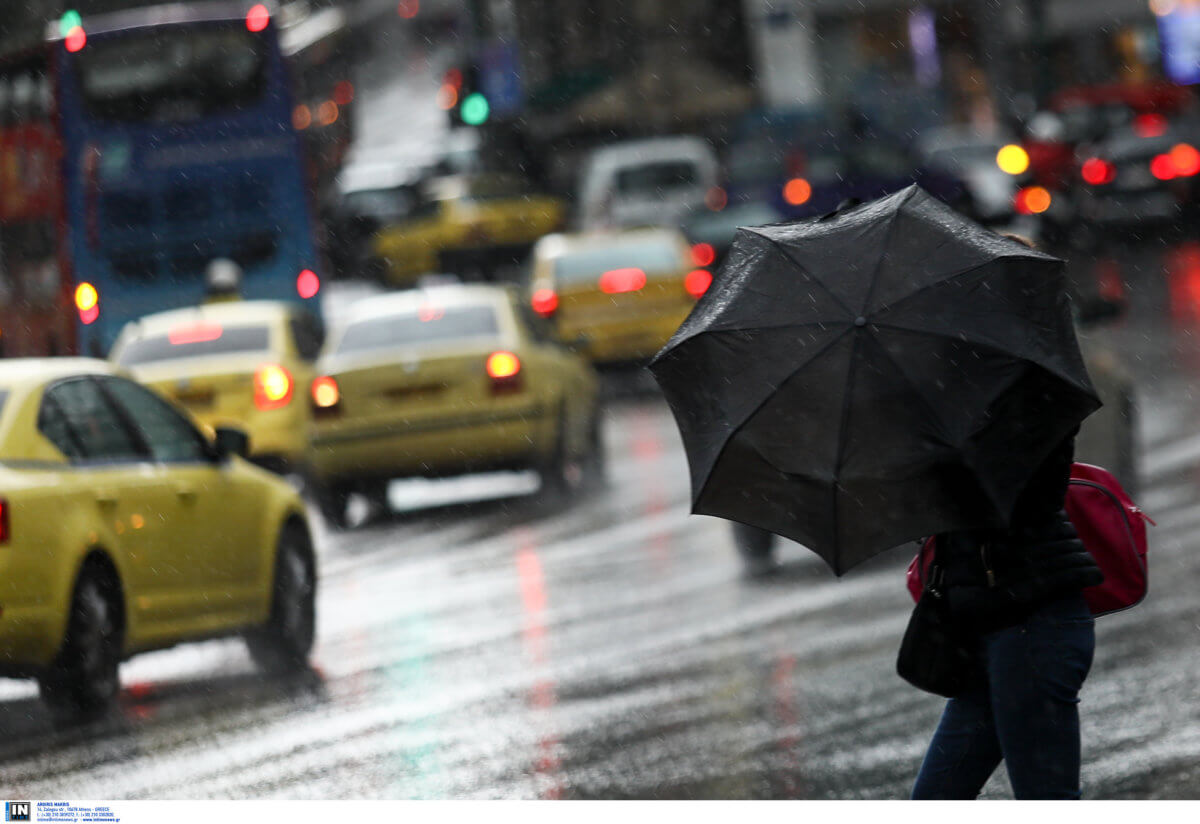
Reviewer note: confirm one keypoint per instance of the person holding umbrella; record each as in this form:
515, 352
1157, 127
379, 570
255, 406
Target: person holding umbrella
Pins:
1016, 595
891, 371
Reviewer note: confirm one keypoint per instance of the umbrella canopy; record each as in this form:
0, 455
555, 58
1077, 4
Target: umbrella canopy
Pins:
873, 376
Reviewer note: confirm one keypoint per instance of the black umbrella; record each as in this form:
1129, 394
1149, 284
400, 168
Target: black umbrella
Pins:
879, 374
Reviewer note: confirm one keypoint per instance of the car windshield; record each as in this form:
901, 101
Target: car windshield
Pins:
382, 204
194, 340
429, 323
652, 178
171, 74
588, 264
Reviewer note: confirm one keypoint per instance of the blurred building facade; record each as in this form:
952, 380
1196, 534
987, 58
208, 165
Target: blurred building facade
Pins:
898, 61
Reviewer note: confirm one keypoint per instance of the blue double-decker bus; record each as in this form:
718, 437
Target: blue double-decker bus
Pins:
169, 138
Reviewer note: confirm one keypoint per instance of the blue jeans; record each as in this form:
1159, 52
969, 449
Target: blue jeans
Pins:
1023, 708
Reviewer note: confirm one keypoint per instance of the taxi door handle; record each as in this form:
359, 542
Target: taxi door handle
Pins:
186, 492
106, 499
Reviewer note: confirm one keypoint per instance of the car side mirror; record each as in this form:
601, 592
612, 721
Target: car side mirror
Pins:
229, 441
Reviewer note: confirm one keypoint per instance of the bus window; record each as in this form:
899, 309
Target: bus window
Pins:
171, 74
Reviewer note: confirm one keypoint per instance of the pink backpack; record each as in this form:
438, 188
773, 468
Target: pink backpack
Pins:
1112, 529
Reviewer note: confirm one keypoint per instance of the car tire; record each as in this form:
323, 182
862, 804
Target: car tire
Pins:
376, 493
283, 645
331, 502
562, 474
595, 462
84, 678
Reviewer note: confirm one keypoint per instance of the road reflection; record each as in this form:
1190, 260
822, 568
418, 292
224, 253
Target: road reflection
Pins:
542, 698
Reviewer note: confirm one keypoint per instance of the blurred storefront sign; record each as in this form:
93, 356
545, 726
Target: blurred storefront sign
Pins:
1179, 39
500, 78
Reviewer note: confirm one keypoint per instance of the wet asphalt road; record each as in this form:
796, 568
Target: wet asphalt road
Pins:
479, 642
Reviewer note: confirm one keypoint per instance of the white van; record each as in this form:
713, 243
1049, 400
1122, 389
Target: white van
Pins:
652, 182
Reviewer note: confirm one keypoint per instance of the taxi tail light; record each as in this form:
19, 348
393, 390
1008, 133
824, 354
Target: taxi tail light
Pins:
544, 302
4, 530
1097, 171
696, 282
616, 281
272, 386
326, 397
504, 371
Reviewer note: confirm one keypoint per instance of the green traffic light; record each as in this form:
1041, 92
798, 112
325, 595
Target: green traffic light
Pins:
475, 109
68, 21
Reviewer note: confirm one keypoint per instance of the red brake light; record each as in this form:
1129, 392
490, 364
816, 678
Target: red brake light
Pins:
198, 333
1162, 167
616, 281
307, 284
504, 368
1032, 200
1149, 124
703, 254
272, 386
257, 18
343, 92
5, 533
1185, 159
544, 302
325, 392
503, 365
1096, 171
797, 191
697, 281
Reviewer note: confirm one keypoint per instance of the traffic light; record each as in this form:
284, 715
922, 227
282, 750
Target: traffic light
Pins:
461, 97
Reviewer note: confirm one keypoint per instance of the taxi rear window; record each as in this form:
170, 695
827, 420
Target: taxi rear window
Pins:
3, 398
195, 341
649, 256
428, 324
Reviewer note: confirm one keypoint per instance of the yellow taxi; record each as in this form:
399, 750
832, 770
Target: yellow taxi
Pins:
616, 297
463, 222
443, 381
244, 363
124, 529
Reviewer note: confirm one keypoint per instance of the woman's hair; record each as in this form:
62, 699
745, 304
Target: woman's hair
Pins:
1024, 241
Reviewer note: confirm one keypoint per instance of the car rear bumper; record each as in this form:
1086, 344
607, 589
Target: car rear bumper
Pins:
443, 446
625, 340
29, 640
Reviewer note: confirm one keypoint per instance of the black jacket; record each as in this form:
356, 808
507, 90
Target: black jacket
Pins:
996, 578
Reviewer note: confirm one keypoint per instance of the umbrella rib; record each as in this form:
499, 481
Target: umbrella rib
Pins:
783, 251
883, 250
965, 337
745, 419
930, 408
942, 282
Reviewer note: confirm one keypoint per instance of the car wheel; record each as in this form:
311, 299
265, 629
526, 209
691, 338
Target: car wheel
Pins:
284, 643
595, 462
332, 501
84, 677
562, 473
376, 493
